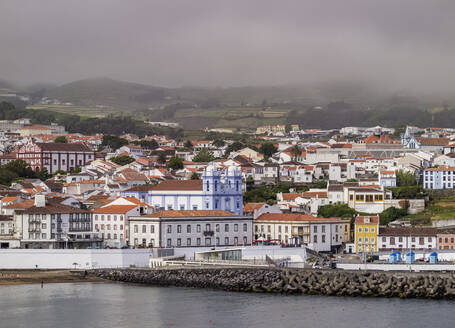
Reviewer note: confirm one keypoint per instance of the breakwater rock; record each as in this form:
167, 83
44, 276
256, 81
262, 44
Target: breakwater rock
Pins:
294, 281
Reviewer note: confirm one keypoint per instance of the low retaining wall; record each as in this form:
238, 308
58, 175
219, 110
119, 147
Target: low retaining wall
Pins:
72, 258
315, 282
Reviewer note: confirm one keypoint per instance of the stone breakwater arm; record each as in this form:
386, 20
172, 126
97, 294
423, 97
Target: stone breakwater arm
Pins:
287, 281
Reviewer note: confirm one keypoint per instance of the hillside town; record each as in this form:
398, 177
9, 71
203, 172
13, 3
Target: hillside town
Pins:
352, 190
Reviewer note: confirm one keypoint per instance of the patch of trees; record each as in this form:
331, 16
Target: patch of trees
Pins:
19, 169
147, 144
204, 155
175, 163
122, 160
60, 139
114, 142
264, 194
73, 123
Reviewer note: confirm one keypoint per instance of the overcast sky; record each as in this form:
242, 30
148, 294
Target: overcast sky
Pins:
405, 43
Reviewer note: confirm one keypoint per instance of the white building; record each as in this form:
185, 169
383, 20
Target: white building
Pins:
387, 179
110, 222
407, 238
53, 225
439, 178
190, 228
319, 234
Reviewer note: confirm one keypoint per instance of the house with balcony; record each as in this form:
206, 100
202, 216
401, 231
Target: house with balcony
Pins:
319, 234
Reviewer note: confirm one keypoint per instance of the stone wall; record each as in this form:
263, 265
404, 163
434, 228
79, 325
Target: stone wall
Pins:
297, 281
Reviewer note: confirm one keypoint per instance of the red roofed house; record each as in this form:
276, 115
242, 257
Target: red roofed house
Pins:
111, 222
55, 156
387, 179
319, 234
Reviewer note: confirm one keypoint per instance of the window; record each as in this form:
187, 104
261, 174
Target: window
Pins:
152, 229
207, 185
217, 228
384, 239
323, 238
194, 207
226, 240
144, 228
226, 228
169, 207
372, 229
179, 242
208, 241
236, 241
323, 229
207, 227
169, 242
236, 227
198, 228
286, 229
182, 207
360, 229
217, 241
43, 226
135, 228
421, 241
198, 241
188, 242
315, 229
188, 228
43, 236
169, 228
366, 229
400, 239
245, 240
179, 228
245, 227
392, 240
121, 227
315, 238
279, 228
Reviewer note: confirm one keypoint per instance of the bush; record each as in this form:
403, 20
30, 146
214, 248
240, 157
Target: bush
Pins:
391, 214
336, 211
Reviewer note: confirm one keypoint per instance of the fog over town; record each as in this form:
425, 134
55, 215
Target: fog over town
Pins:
402, 45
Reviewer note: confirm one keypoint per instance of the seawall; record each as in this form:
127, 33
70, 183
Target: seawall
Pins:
296, 281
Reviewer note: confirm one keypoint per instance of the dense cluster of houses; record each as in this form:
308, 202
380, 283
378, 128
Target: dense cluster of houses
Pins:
91, 201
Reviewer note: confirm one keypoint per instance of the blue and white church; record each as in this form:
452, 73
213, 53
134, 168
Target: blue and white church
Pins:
219, 189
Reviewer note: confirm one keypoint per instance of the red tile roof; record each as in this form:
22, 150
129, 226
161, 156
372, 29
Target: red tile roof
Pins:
114, 209
361, 219
190, 213
293, 217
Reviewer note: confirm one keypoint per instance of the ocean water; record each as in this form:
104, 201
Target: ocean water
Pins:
123, 305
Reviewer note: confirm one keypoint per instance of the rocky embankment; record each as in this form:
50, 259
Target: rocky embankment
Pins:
286, 281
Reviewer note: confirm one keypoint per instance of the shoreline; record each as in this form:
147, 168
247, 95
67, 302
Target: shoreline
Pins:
13, 277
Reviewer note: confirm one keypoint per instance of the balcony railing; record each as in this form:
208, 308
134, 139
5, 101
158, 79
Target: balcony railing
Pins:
208, 233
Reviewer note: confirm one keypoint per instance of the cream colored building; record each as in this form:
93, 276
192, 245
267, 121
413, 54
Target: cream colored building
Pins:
319, 234
34, 130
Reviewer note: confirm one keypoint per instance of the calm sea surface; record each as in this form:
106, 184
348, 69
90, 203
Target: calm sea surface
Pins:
120, 305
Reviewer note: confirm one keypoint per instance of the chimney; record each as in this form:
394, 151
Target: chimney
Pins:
40, 200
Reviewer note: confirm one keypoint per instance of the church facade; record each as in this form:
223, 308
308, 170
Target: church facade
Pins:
219, 189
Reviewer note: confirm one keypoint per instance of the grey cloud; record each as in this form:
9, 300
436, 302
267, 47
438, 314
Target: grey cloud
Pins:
405, 44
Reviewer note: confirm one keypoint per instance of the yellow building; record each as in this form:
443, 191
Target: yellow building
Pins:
366, 234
